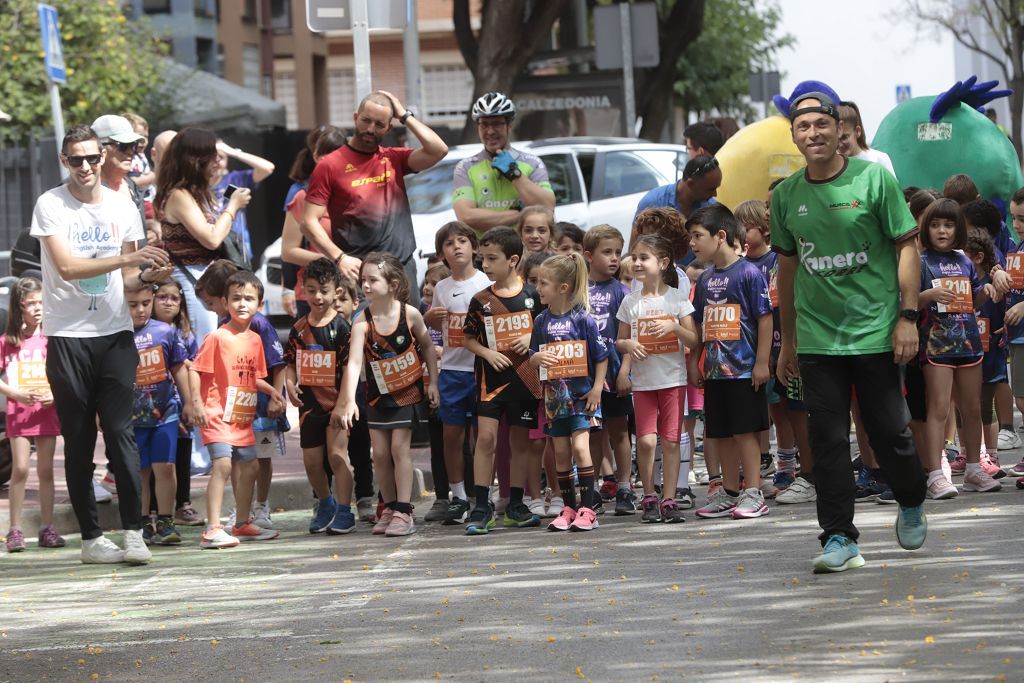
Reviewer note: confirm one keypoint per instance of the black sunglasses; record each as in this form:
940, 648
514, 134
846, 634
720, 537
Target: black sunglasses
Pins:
77, 161
124, 147
706, 167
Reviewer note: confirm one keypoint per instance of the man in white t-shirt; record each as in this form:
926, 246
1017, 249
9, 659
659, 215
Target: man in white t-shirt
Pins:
89, 235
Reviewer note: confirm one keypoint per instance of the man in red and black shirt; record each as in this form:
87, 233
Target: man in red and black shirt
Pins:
362, 188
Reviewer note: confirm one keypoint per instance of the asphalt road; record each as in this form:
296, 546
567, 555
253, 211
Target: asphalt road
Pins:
705, 600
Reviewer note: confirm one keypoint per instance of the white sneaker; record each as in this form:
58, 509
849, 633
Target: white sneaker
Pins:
555, 507
135, 550
102, 495
261, 516
103, 551
941, 489
1008, 440
800, 491
535, 505
980, 482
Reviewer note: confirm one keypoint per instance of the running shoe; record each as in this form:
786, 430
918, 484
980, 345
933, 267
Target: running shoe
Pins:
16, 541
102, 494
598, 506
563, 521
344, 521
438, 511
767, 465
651, 510
1020, 483
401, 524
148, 531
535, 505
324, 513
458, 510
911, 527
750, 505
383, 521
108, 482
1018, 469
839, 554
980, 481
800, 491
520, 516
714, 485
500, 505
49, 538
366, 509
165, 533
555, 506
720, 504
990, 463
869, 492
941, 489
217, 537
625, 502
101, 550
958, 465
186, 515
231, 519
952, 451
608, 490
250, 532
685, 498
783, 479
947, 469
135, 550
671, 511
481, 520
261, 516
886, 497
1008, 440
585, 520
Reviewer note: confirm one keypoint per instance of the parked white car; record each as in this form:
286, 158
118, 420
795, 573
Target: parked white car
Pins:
596, 180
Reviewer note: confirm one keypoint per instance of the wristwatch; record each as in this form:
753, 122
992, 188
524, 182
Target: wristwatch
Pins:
911, 314
405, 117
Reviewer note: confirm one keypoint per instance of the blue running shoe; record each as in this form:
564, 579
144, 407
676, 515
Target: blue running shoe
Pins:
344, 521
323, 516
839, 554
886, 497
481, 521
911, 527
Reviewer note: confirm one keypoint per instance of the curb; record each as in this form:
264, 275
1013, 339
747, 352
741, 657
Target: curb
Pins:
287, 493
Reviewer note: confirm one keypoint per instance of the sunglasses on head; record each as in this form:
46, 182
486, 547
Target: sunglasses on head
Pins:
123, 147
77, 161
704, 168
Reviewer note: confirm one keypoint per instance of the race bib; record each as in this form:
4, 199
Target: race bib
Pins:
505, 328
984, 333
572, 360
397, 373
1015, 269
316, 367
152, 368
961, 287
453, 334
722, 322
31, 376
240, 406
640, 331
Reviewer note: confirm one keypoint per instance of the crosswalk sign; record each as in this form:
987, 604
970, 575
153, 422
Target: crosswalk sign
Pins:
54, 54
902, 93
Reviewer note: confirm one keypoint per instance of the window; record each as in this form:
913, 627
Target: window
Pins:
341, 97
156, 6
249, 11
281, 16
447, 91
251, 67
430, 191
204, 8
668, 163
564, 182
285, 93
626, 173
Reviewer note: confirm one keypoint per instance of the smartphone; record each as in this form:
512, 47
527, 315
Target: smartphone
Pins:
229, 190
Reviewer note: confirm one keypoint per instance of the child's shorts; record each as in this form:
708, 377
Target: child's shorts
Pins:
694, 401
732, 407
390, 418
236, 453
542, 420
157, 444
269, 444
458, 392
613, 405
657, 412
517, 413
567, 426
313, 427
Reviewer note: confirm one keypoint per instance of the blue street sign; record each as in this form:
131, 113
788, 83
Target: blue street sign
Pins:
54, 58
902, 93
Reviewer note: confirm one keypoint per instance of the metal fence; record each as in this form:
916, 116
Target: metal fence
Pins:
25, 173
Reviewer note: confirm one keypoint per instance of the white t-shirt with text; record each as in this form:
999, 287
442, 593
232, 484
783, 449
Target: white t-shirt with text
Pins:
658, 370
455, 295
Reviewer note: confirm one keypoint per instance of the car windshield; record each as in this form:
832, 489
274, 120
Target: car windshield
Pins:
430, 191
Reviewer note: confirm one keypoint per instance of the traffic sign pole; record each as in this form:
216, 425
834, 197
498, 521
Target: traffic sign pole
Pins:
361, 46
628, 88
58, 124
53, 60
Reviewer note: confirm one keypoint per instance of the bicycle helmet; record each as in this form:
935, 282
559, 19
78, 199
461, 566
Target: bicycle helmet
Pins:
493, 104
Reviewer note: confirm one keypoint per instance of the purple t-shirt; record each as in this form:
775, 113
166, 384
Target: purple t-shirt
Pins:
161, 350
605, 299
728, 303
947, 335
566, 397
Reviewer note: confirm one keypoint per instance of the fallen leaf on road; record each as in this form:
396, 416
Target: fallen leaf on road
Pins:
740, 568
579, 672
929, 639
551, 639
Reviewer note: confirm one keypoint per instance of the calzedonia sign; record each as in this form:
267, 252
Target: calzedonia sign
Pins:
563, 103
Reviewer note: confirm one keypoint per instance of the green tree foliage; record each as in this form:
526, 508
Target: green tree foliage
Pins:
739, 36
113, 65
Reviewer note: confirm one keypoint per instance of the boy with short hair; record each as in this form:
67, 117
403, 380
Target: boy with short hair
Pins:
269, 427
457, 243
498, 328
734, 325
602, 249
568, 237
229, 371
317, 353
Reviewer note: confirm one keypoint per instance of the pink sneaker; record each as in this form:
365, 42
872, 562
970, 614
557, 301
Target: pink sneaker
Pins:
383, 521
49, 538
980, 481
564, 520
947, 469
990, 463
15, 541
941, 489
959, 465
585, 520
401, 524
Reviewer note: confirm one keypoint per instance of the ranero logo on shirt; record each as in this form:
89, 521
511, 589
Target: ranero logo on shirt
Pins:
835, 264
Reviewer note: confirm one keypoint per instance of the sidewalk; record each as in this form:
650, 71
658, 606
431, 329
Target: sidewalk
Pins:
289, 491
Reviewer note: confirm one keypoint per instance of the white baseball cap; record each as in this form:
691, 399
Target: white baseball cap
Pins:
116, 128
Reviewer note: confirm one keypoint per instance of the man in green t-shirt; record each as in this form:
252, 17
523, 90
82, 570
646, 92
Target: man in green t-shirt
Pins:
849, 277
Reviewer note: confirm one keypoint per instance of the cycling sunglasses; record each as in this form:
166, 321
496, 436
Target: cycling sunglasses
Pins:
124, 147
91, 159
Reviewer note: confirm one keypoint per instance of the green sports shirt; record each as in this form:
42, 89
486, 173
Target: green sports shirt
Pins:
844, 233
476, 181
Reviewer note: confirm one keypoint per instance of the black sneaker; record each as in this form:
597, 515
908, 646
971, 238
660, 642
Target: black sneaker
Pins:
519, 516
458, 510
148, 532
685, 498
651, 510
671, 512
767, 464
625, 502
481, 521
598, 507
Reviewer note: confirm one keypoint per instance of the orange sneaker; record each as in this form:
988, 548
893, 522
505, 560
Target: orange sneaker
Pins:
251, 532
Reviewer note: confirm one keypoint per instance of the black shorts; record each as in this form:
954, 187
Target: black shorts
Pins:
732, 407
401, 417
518, 413
313, 427
913, 386
613, 405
